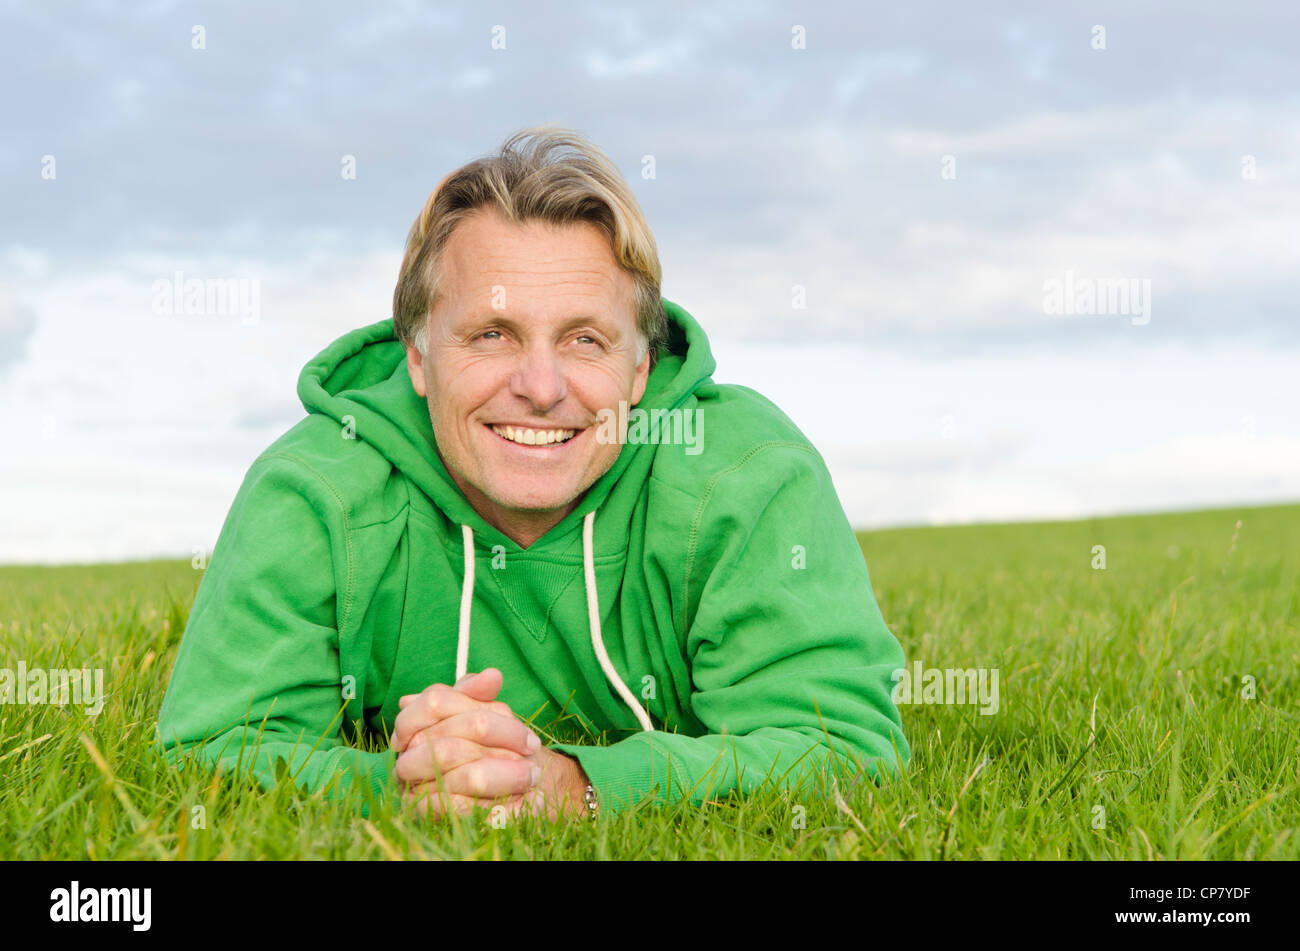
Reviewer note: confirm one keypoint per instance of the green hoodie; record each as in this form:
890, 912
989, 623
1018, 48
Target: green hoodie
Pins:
735, 608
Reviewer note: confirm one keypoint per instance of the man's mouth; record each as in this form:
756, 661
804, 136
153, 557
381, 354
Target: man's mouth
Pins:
526, 436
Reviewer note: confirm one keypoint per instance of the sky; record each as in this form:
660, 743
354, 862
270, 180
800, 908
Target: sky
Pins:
889, 219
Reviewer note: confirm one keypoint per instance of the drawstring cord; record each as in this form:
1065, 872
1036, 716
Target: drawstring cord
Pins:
466, 600
593, 617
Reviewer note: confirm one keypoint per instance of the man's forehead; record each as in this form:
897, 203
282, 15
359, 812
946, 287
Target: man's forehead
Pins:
487, 242
532, 271
501, 283
487, 236
534, 298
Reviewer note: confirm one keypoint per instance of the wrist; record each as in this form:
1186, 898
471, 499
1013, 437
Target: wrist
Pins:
580, 791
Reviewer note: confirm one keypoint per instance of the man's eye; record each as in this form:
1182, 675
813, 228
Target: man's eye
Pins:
486, 332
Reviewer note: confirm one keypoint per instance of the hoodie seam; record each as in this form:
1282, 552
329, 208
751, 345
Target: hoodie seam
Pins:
524, 621
693, 538
667, 484
345, 614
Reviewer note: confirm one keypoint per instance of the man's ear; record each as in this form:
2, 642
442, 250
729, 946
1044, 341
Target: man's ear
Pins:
415, 368
641, 378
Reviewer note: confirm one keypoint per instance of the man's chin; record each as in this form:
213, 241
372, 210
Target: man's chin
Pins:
538, 505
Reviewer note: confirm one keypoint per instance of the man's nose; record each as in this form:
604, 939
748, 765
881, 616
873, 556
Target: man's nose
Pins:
539, 378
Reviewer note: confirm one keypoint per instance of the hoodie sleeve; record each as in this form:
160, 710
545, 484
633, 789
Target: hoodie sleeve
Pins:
256, 686
791, 662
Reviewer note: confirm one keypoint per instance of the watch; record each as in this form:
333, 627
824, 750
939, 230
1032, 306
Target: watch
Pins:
589, 797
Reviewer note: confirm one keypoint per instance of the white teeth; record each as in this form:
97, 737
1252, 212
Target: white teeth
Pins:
533, 437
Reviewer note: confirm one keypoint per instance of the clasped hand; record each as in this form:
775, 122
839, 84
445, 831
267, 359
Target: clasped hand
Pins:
460, 748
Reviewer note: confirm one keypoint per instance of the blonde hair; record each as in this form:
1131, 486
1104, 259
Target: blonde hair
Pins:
542, 173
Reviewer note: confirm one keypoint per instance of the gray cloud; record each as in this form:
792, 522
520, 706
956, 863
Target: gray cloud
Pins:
775, 166
17, 323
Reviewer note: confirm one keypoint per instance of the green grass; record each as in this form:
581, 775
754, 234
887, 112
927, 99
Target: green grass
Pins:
1157, 644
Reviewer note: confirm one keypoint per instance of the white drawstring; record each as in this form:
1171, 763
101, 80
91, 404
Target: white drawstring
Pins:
466, 600
593, 617
593, 620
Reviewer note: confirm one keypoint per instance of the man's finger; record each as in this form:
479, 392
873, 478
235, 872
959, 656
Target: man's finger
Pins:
449, 752
485, 777
435, 704
484, 685
497, 705
430, 757
426, 708
491, 777
489, 728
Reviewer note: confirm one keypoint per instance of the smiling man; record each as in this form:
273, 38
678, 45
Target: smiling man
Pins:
450, 552
534, 336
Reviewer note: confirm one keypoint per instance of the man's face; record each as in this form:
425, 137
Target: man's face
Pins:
534, 330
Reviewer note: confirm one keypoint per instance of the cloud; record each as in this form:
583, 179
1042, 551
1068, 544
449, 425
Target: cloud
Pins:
1172, 474
17, 322
783, 177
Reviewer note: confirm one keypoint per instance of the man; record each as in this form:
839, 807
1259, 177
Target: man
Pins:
528, 473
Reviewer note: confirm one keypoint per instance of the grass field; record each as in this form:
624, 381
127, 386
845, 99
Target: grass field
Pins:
1158, 698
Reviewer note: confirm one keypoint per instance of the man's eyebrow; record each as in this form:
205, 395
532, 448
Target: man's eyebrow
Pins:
505, 319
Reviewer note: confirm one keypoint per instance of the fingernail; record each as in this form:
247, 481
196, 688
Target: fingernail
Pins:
533, 744
535, 775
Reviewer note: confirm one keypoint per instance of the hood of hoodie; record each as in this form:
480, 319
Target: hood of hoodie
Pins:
361, 381
339, 564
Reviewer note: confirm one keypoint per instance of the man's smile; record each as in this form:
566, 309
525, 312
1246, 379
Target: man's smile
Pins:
534, 438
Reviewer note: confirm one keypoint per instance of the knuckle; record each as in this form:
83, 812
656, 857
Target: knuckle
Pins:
434, 751
433, 703
482, 724
418, 762
450, 752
